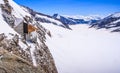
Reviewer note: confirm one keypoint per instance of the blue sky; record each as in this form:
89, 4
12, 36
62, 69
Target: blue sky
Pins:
73, 7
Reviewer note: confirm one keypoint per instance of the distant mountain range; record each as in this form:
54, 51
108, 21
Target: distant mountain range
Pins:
111, 22
72, 20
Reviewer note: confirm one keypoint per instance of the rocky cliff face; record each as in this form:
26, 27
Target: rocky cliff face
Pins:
20, 55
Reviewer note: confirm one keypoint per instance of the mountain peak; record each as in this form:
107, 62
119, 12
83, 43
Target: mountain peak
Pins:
55, 15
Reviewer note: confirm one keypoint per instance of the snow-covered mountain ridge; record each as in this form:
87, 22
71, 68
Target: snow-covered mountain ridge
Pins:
112, 22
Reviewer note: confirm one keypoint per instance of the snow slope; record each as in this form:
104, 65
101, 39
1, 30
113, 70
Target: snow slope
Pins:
84, 50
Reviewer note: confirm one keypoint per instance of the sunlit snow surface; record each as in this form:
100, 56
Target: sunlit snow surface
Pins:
84, 50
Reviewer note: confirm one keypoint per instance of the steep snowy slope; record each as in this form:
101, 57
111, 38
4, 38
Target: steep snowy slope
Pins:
84, 50
31, 50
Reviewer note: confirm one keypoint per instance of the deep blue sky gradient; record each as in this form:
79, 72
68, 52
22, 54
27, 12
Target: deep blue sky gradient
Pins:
73, 7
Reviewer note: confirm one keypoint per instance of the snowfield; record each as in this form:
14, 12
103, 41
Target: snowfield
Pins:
84, 50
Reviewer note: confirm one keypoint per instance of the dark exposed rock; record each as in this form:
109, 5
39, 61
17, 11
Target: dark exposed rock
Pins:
2, 36
16, 39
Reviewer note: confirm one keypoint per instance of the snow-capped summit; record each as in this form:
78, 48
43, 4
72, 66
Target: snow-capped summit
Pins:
56, 16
